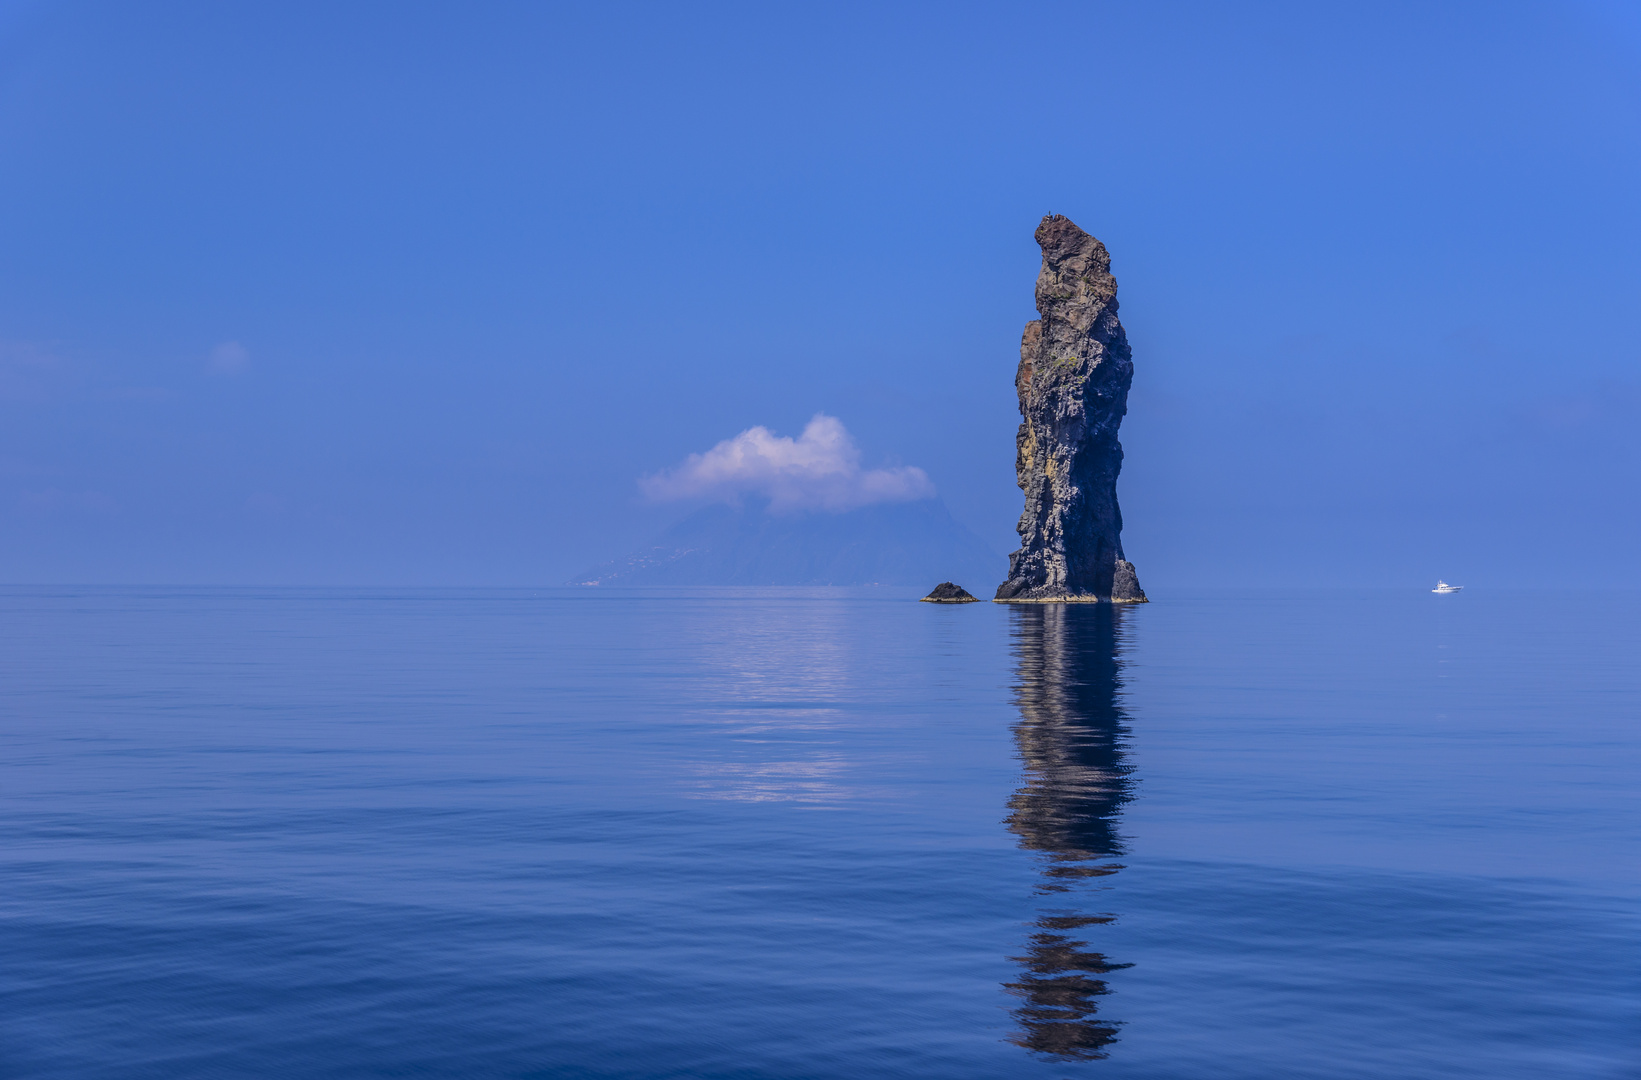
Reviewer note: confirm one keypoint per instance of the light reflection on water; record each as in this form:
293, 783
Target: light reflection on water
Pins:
754, 658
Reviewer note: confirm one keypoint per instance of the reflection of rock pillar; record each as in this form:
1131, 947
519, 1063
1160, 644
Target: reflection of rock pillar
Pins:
1070, 736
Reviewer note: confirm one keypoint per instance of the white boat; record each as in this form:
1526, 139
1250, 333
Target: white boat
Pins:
1442, 586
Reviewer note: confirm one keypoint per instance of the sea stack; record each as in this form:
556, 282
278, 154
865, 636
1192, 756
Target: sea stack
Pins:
949, 593
1073, 379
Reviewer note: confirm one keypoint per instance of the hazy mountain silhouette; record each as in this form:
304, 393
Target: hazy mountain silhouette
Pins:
909, 543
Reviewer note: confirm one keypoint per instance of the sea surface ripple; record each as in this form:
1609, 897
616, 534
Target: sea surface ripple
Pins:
817, 833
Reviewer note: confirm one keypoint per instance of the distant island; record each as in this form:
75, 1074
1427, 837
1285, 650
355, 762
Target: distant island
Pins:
1073, 378
902, 543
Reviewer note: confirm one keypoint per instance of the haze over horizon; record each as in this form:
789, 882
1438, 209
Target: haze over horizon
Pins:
417, 294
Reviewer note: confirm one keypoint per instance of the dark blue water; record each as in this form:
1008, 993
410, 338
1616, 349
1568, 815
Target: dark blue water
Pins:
814, 833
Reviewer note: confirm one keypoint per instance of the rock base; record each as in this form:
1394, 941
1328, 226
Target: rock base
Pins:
1125, 589
1125, 585
1068, 600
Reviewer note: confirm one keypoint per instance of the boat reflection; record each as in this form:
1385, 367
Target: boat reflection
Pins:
1070, 735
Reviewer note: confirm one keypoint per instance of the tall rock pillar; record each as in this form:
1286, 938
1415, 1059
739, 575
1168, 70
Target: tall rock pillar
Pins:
1073, 381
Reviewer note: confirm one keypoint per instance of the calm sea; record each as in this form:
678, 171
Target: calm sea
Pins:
818, 833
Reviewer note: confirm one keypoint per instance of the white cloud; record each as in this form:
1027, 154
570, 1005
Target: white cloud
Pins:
229, 358
819, 470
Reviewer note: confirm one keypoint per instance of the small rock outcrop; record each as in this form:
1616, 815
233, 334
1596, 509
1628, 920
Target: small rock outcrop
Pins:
947, 593
1073, 379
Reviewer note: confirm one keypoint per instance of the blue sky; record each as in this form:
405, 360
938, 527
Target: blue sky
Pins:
415, 293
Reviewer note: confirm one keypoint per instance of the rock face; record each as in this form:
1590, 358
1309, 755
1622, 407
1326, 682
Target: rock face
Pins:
1073, 380
948, 593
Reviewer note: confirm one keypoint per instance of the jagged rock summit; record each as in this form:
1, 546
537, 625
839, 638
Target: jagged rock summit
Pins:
1073, 379
948, 593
